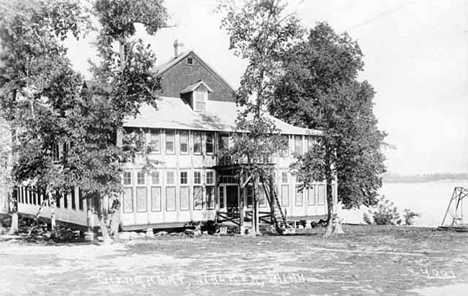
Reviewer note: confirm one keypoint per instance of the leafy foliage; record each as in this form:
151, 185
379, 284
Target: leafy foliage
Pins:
409, 216
38, 84
261, 33
43, 100
320, 90
384, 213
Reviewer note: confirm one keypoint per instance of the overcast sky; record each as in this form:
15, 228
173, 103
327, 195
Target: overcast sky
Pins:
416, 57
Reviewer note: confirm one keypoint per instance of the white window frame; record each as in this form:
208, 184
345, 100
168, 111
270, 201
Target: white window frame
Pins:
155, 134
206, 177
181, 133
166, 151
196, 99
167, 179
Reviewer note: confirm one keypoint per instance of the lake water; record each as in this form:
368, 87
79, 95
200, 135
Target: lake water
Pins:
430, 199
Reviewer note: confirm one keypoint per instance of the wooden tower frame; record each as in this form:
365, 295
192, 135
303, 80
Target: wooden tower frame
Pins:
454, 219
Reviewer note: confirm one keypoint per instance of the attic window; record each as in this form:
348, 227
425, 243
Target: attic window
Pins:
190, 61
197, 95
200, 97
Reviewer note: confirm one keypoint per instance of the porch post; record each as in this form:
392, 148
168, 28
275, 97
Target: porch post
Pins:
241, 206
255, 214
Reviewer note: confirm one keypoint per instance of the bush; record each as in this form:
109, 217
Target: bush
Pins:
409, 216
384, 213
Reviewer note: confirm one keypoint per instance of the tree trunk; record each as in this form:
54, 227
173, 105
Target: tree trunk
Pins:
102, 223
329, 230
105, 233
14, 217
89, 235
115, 219
330, 201
241, 210
52, 215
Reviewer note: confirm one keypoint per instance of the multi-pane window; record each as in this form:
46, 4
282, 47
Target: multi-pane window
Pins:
284, 177
200, 97
197, 177
184, 142
183, 178
223, 141
170, 177
128, 193
298, 144
209, 144
210, 177
155, 178
127, 178
197, 143
170, 142
141, 178
155, 141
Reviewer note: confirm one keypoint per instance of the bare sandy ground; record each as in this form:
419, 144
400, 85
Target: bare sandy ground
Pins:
363, 261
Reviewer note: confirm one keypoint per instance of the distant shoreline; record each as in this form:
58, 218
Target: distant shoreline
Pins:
435, 181
425, 178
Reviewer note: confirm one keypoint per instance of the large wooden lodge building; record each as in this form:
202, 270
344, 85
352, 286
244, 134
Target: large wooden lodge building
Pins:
194, 118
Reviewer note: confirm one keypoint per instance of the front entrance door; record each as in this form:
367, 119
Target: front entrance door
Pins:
232, 197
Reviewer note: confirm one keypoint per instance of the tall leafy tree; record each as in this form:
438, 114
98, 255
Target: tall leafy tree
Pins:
45, 102
124, 81
260, 32
37, 84
320, 90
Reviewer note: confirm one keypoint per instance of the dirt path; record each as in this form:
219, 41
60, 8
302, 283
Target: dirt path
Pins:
364, 261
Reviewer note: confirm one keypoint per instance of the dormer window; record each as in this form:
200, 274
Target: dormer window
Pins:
200, 97
197, 96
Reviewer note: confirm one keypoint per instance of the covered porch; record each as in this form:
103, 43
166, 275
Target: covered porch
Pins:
237, 203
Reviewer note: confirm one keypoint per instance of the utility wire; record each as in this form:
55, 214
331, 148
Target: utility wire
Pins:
380, 15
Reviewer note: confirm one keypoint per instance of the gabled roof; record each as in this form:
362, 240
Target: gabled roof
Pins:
175, 113
174, 61
194, 86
